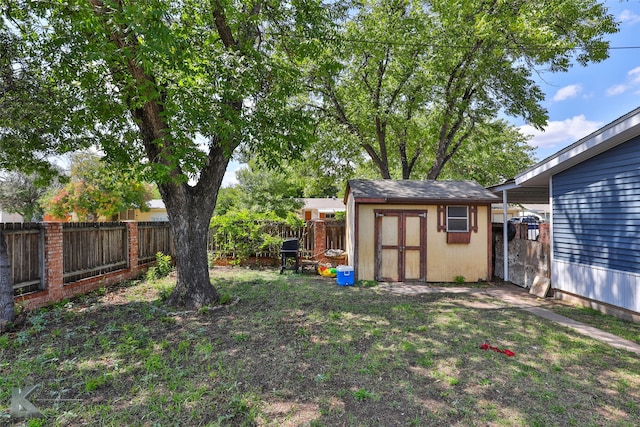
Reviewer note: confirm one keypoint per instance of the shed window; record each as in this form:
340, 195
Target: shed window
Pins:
457, 219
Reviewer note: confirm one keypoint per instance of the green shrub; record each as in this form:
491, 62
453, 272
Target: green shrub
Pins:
244, 233
162, 268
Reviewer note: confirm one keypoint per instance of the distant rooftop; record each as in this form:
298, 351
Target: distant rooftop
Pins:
155, 204
324, 204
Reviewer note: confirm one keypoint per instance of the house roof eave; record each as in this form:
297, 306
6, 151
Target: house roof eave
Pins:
605, 138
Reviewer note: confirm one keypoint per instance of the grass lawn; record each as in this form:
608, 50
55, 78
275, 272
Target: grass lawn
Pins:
296, 350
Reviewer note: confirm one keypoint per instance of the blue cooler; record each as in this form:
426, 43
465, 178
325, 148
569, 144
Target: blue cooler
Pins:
344, 275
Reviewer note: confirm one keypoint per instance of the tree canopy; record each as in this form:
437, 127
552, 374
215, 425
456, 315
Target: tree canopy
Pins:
174, 87
414, 80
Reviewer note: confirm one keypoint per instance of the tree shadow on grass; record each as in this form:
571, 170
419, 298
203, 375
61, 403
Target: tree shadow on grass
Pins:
299, 350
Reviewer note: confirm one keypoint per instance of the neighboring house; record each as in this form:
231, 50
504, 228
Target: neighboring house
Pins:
594, 191
422, 231
497, 212
10, 217
320, 208
541, 211
156, 212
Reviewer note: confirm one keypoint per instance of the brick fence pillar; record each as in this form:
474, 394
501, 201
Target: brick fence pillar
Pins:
320, 240
53, 260
134, 248
545, 236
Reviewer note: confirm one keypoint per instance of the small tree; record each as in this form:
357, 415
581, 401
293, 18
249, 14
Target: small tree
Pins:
268, 190
20, 193
96, 190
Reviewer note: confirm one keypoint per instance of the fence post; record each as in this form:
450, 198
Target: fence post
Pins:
53, 260
133, 244
320, 240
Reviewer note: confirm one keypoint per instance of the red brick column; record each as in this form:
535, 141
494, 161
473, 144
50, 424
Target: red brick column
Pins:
545, 236
132, 233
522, 231
53, 261
320, 240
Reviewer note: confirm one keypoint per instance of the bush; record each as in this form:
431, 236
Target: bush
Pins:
245, 233
162, 268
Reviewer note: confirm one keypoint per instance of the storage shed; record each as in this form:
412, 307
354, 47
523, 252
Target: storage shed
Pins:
422, 231
593, 187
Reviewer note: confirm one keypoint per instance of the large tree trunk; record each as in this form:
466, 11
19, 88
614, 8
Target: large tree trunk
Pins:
7, 311
190, 209
190, 227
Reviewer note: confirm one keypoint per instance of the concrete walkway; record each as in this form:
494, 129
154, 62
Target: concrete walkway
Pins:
518, 297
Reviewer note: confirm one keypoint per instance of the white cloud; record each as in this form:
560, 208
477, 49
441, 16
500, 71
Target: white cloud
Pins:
567, 92
230, 179
635, 75
629, 17
617, 90
632, 83
561, 132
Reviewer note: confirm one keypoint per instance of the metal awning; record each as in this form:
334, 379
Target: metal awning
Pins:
522, 195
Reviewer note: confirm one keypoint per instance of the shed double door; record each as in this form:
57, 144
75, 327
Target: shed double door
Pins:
401, 244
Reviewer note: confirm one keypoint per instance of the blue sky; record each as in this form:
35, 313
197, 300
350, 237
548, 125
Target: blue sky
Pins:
586, 98
583, 99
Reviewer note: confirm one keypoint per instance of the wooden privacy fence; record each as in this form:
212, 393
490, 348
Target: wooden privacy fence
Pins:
335, 235
51, 261
252, 239
25, 248
153, 237
93, 248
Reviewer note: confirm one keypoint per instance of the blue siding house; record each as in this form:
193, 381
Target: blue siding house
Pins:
593, 187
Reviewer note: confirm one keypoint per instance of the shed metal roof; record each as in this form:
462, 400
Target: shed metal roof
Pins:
415, 191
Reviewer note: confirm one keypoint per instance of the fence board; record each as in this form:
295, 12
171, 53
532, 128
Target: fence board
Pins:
335, 235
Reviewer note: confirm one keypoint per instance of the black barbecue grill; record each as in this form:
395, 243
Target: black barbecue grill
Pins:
289, 250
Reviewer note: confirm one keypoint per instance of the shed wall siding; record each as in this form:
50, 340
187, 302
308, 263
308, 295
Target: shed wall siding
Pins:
444, 261
596, 221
